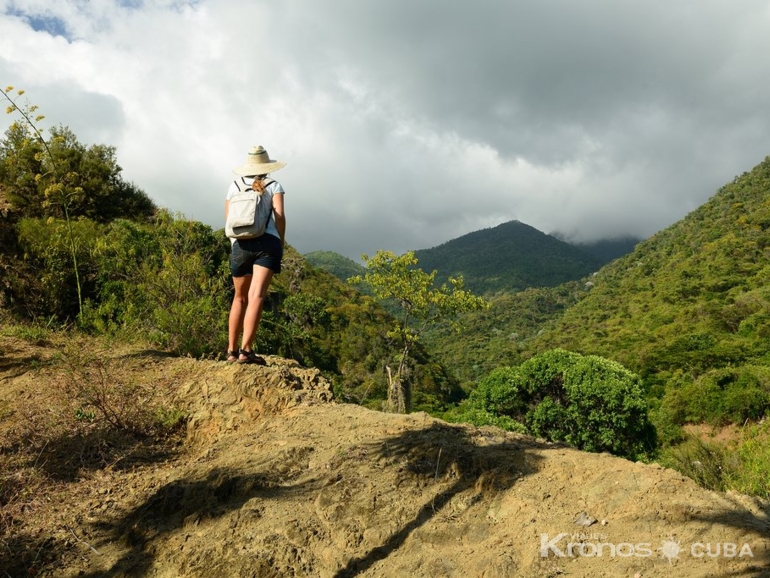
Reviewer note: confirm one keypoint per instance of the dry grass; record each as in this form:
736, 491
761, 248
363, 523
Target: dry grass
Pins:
72, 409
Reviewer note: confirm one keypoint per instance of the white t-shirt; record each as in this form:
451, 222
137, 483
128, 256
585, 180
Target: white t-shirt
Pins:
273, 188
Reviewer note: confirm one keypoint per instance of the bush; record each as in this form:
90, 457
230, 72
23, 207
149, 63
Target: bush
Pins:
48, 247
589, 402
167, 282
719, 397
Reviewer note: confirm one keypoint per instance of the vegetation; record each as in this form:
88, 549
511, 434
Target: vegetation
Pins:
422, 304
60, 179
500, 334
739, 463
688, 310
338, 265
589, 402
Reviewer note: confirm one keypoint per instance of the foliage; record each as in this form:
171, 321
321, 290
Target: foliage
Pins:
60, 176
719, 396
589, 402
422, 304
338, 265
57, 180
739, 463
499, 335
754, 455
48, 248
167, 282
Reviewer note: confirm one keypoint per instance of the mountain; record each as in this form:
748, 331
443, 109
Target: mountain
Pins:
689, 308
699, 287
334, 263
692, 300
491, 258
509, 257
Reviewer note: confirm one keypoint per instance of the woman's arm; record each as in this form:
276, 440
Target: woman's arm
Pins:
280, 217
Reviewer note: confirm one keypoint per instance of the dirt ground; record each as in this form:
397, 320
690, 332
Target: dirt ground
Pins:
270, 477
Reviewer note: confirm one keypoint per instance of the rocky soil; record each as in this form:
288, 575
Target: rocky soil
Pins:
271, 477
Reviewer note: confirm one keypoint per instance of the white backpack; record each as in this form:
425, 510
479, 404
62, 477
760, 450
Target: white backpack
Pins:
248, 212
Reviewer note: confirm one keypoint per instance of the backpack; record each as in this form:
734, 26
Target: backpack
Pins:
248, 212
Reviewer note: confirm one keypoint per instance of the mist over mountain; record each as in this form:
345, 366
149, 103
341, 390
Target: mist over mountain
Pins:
607, 250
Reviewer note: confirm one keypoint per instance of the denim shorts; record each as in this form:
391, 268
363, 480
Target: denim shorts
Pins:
265, 251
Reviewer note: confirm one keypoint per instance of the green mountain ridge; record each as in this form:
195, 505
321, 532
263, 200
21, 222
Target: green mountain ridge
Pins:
707, 274
688, 310
507, 258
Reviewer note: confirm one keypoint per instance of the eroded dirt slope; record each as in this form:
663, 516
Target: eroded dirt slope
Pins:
275, 479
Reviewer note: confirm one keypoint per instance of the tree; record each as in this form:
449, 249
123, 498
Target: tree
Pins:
60, 179
420, 305
587, 401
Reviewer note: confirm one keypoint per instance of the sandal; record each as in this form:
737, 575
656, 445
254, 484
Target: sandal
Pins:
250, 357
232, 356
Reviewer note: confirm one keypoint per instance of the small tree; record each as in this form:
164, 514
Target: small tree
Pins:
420, 305
55, 193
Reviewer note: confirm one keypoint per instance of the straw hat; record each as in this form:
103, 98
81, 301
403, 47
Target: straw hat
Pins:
258, 162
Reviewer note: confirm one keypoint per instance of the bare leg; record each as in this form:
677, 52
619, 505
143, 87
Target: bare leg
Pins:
256, 302
237, 311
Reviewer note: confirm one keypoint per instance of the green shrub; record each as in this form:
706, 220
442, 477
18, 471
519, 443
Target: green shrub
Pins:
167, 282
589, 402
48, 252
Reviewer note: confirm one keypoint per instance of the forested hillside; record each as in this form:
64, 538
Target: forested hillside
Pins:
689, 309
338, 265
500, 335
510, 257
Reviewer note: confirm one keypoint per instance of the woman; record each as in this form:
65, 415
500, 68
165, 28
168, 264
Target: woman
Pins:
254, 261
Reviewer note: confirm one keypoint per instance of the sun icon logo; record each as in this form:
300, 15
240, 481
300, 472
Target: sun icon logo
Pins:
670, 550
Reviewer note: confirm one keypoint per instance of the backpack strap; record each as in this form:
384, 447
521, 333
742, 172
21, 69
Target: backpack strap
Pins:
242, 185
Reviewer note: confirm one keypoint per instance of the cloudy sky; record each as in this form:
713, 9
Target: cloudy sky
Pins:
408, 123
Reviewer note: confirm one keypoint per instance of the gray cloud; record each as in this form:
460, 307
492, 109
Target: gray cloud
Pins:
408, 124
